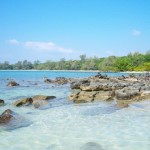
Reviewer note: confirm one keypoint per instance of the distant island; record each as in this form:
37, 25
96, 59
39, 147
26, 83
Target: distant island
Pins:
132, 62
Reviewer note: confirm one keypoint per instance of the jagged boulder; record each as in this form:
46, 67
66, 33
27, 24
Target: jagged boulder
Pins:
23, 102
12, 83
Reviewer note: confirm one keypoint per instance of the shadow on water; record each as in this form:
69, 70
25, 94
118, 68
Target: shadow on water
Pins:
100, 110
91, 146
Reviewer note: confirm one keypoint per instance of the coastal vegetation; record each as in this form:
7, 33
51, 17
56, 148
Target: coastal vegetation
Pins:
132, 62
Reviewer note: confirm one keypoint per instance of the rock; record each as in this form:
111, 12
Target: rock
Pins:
104, 95
83, 97
1, 102
123, 103
127, 94
48, 81
6, 116
77, 84
91, 146
43, 97
40, 103
25, 101
58, 80
12, 83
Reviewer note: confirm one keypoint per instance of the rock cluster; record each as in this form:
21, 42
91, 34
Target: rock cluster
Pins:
37, 101
58, 80
122, 89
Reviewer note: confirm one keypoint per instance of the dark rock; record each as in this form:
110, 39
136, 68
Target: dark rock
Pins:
48, 80
25, 101
6, 116
12, 83
1, 102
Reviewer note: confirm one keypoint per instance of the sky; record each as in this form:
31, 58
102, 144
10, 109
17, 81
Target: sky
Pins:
54, 29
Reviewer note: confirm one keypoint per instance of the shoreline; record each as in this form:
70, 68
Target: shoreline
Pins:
72, 71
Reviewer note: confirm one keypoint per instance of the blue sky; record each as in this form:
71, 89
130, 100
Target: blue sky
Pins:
53, 29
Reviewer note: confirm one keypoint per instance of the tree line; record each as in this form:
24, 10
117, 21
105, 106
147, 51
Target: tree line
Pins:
132, 62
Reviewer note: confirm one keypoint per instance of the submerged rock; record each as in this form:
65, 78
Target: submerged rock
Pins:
43, 97
40, 103
37, 101
91, 146
25, 101
6, 116
1, 102
12, 83
10, 120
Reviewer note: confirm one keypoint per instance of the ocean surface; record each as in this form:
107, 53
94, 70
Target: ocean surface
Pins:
63, 125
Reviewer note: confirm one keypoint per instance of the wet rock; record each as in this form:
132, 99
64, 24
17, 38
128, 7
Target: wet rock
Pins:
1, 102
43, 97
23, 102
12, 83
123, 103
6, 116
91, 146
10, 120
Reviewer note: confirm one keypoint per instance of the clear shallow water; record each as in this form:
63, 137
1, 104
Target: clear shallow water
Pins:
62, 125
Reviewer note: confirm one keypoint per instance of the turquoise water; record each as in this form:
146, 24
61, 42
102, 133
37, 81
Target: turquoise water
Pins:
62, 125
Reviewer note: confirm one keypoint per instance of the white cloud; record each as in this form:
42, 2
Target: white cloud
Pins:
42, 46
136, 32
13, 41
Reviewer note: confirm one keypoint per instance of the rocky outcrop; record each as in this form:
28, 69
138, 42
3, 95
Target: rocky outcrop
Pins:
1, 102
6, 116
12, 83
124, 90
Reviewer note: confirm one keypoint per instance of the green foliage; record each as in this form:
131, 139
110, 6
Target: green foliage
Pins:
132, 62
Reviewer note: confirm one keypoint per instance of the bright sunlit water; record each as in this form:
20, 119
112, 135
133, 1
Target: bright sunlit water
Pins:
62, 125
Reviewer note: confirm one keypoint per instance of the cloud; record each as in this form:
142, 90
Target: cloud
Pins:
136, 32
42, 46
14, 41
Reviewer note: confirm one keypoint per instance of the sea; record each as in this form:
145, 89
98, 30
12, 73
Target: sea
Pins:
63, 125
